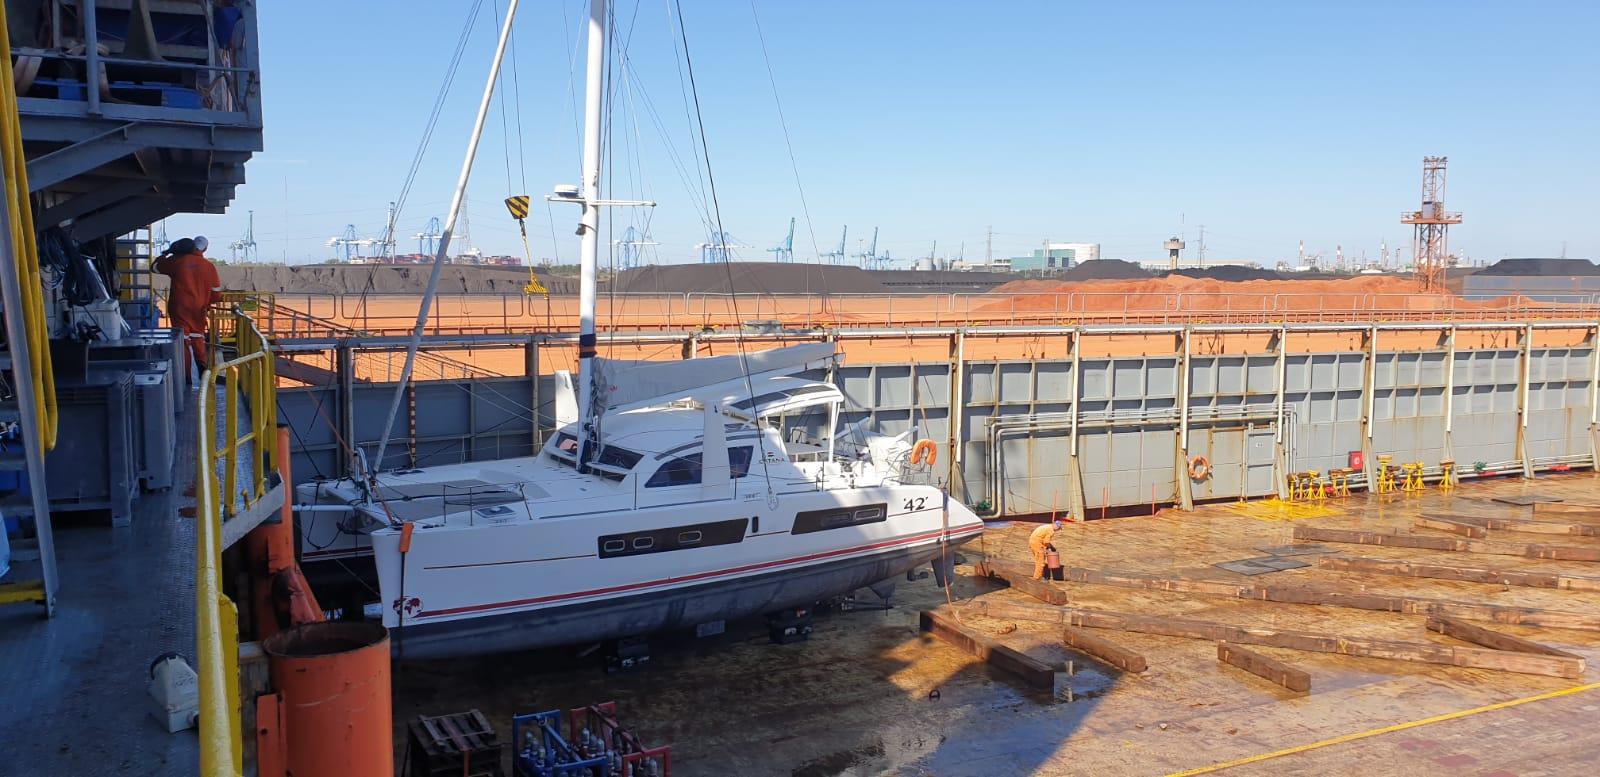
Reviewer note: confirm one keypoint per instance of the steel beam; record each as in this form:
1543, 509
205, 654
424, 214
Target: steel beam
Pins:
127, 216
1077, 504
1181, 457
1369, 377
1525, 364
27, 404
103, 197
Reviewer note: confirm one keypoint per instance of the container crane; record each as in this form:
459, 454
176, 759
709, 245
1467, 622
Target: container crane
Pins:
718, 248
836, 256
246, 244
784, 251
346, 245
428, 238
630, 253
869, 258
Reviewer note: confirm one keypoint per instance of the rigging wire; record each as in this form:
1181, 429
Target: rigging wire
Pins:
721, 237
794, 164
427, 136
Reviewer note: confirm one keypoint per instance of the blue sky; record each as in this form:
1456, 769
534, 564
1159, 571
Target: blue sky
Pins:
1269, 123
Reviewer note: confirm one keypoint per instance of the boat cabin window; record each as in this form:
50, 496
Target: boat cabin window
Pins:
621, 458
685, 470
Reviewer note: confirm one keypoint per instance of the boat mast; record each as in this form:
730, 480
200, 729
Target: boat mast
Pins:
444, 238
589, 224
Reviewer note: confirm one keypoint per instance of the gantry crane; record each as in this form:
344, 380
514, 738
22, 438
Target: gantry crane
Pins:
784, 251
836, 256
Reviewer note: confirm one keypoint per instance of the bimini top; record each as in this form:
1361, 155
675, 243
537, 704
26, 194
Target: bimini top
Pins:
622, 384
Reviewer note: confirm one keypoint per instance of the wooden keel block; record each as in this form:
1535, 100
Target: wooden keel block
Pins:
1454, 527
1264, 667
1105, 650
1032, 671
1479, 635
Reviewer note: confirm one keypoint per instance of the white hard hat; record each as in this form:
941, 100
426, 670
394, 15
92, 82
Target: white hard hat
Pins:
201, 243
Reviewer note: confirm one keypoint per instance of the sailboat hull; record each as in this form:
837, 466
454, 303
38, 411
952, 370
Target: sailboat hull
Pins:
620, 616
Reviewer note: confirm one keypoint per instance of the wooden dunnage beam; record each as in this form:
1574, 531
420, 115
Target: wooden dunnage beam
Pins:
1104, 649
1566, 509
1452, 526
1526, 578
1420, 652
1413, 605
1452, 544
1020, 578
1264, 667
1032, 671
1479, 635
1524, 525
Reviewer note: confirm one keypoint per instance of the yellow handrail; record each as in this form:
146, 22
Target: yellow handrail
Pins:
216, 618
13, 163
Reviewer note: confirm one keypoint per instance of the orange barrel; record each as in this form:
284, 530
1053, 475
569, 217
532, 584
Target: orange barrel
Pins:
334, 678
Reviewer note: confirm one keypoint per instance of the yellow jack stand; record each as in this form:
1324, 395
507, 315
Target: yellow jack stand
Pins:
1447, 474
1385, 474
1413, 473
1339, 479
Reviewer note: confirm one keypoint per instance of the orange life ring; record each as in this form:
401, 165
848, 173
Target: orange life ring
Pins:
925, 449
1199, 468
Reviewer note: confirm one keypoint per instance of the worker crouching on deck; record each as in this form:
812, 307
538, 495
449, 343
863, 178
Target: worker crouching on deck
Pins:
195, 288
1039, 542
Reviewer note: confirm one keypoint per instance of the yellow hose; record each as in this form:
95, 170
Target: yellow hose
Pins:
25, 245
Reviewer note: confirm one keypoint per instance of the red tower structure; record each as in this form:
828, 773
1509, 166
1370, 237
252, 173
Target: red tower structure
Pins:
1431, 250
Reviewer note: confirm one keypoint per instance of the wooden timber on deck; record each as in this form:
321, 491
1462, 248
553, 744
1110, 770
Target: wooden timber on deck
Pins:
1264, 667
1034, 672
1421, 652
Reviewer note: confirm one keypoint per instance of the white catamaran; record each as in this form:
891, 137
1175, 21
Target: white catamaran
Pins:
673, 493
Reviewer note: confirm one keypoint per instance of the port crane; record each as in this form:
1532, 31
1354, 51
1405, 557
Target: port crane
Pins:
428, 238
783, 252
346, 245
869, 258
247, 244
718, 247
630, 249
836, 256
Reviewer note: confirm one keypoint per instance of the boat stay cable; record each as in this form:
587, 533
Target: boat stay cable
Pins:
721, 237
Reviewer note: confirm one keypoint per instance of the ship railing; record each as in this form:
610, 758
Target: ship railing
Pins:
336, 315
227, 443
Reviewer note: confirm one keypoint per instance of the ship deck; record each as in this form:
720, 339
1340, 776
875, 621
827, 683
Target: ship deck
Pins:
855, 699
75, 685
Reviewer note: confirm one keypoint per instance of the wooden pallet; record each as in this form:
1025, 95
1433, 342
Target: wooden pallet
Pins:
454, 745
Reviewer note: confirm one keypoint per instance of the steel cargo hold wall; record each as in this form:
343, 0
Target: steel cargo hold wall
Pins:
456, 421
1484, 402
1126, 461
1239, 445
1324, 392
892, 398
1033, 464
310, 412
1558, 405
1408, 406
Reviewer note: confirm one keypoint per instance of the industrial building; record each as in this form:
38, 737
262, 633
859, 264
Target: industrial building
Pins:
1052, 257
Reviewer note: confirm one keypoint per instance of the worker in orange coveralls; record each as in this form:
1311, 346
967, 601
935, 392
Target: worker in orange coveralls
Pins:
195, 288
1037, 542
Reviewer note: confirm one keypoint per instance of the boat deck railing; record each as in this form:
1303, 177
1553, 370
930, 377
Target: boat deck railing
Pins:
236, 447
